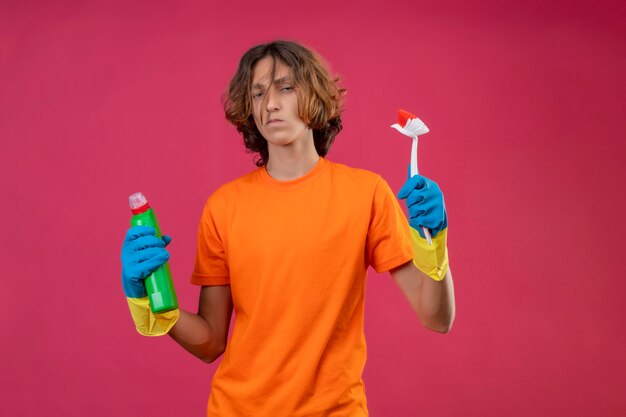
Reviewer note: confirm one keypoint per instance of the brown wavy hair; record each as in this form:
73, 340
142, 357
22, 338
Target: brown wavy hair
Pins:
320, 98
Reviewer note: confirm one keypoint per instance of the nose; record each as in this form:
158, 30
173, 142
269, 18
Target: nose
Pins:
272, 101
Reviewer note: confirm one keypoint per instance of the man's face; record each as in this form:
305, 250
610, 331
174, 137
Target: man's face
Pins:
275, 105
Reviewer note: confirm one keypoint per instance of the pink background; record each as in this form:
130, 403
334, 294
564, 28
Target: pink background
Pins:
525, 101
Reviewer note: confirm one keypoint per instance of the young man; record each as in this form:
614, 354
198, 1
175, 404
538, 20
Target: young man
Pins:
288, 246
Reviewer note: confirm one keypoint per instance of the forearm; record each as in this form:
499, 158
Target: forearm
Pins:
432, 293
194, 333
436, 306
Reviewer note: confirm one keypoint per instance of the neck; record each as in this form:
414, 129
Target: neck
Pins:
292, 161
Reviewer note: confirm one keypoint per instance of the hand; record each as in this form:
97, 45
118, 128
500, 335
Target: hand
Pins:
142, 254
424, 201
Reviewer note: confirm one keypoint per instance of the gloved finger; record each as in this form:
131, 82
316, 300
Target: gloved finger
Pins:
416, 197
136, 232
425, 208
167, 239
431, 215
146, 255
152, 264
428, 220
420, 222
145, 264
415, 182
144, 242
416, 212
433, 190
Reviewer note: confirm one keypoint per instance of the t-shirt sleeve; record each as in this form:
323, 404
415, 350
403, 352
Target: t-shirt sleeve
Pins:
211, 266
388, 241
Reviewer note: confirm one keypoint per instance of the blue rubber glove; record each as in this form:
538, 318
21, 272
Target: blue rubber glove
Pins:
142, 254
424, 201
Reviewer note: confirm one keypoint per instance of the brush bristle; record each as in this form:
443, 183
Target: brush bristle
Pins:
403, 116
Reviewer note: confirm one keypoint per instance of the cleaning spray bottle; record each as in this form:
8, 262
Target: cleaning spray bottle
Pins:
159, 285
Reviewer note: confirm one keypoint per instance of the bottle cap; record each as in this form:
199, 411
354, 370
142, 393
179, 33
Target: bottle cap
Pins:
137, 202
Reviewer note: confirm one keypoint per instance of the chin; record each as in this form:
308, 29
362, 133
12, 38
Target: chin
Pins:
280, 141
285, 138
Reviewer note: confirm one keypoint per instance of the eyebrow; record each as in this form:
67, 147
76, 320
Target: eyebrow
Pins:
261, 86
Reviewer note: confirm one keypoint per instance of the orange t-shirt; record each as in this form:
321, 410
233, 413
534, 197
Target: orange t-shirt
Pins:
295, 254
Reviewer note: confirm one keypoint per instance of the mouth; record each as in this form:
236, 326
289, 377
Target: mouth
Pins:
273, 121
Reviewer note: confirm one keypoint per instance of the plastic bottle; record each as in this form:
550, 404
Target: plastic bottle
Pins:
159, 285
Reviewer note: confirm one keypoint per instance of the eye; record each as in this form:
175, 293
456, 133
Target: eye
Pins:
286, 88
257, 95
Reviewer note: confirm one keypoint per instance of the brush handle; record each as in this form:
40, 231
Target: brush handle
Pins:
426, 232
415, 171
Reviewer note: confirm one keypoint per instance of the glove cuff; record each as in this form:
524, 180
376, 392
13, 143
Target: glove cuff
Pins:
148, 323
431, 259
